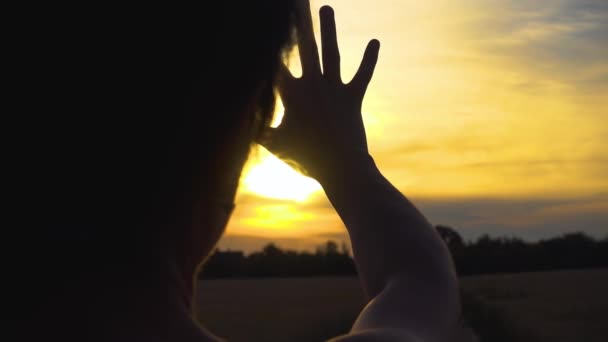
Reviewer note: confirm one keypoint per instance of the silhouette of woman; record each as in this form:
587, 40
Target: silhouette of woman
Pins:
135, 140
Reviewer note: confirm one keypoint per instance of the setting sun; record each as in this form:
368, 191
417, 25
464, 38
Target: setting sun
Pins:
270, 177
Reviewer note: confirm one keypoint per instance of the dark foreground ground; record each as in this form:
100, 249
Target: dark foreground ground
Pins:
552, 306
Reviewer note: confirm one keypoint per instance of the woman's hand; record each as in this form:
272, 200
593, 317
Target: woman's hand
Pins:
322, 129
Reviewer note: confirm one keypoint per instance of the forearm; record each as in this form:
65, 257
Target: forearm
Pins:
389, 236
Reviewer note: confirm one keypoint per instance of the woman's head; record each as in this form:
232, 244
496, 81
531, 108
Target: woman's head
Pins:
134, 115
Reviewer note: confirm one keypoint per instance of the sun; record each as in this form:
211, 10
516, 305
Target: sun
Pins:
268, 176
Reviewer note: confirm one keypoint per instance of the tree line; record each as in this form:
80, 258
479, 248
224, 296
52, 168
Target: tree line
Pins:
511, 255
273, 261
482, 256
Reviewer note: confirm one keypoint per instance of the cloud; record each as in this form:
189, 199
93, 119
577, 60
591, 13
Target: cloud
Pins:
489, 113
260, 216
316, 201
562, 41
530, 219
338, 236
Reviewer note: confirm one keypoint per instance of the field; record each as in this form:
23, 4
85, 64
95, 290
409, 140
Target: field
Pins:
552, 306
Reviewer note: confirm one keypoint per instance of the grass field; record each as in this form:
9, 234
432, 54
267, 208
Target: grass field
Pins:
552, 306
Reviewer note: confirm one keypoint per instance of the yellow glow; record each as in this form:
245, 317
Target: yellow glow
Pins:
270, 177
268, 217
274, 216
470, 99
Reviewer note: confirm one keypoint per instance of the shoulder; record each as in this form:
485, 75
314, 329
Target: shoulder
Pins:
378, 335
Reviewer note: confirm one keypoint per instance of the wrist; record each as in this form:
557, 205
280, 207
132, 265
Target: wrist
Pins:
349, 172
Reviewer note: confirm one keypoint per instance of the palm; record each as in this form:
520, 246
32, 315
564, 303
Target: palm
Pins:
322, 122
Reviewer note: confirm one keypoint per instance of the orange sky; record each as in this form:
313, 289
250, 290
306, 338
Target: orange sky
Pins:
491, 114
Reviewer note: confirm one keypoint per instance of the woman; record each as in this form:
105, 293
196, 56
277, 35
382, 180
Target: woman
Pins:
143, 122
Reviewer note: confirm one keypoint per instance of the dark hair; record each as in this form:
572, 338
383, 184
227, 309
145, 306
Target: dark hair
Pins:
123, 115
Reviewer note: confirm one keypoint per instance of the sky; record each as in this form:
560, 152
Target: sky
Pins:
490, 115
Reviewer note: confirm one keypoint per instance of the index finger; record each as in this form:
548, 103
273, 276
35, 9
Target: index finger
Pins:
309, 54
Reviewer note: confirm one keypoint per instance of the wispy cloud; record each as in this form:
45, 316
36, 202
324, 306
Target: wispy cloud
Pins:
491, 114
527, 218
563, 41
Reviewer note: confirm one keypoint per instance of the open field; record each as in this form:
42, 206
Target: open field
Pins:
551, 306
548, 306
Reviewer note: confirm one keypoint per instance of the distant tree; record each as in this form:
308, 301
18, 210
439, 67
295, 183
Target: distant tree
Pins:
345, 249
328, 248
568, 251
455, 244
331, 248
451, 237
271, 250
601, 253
